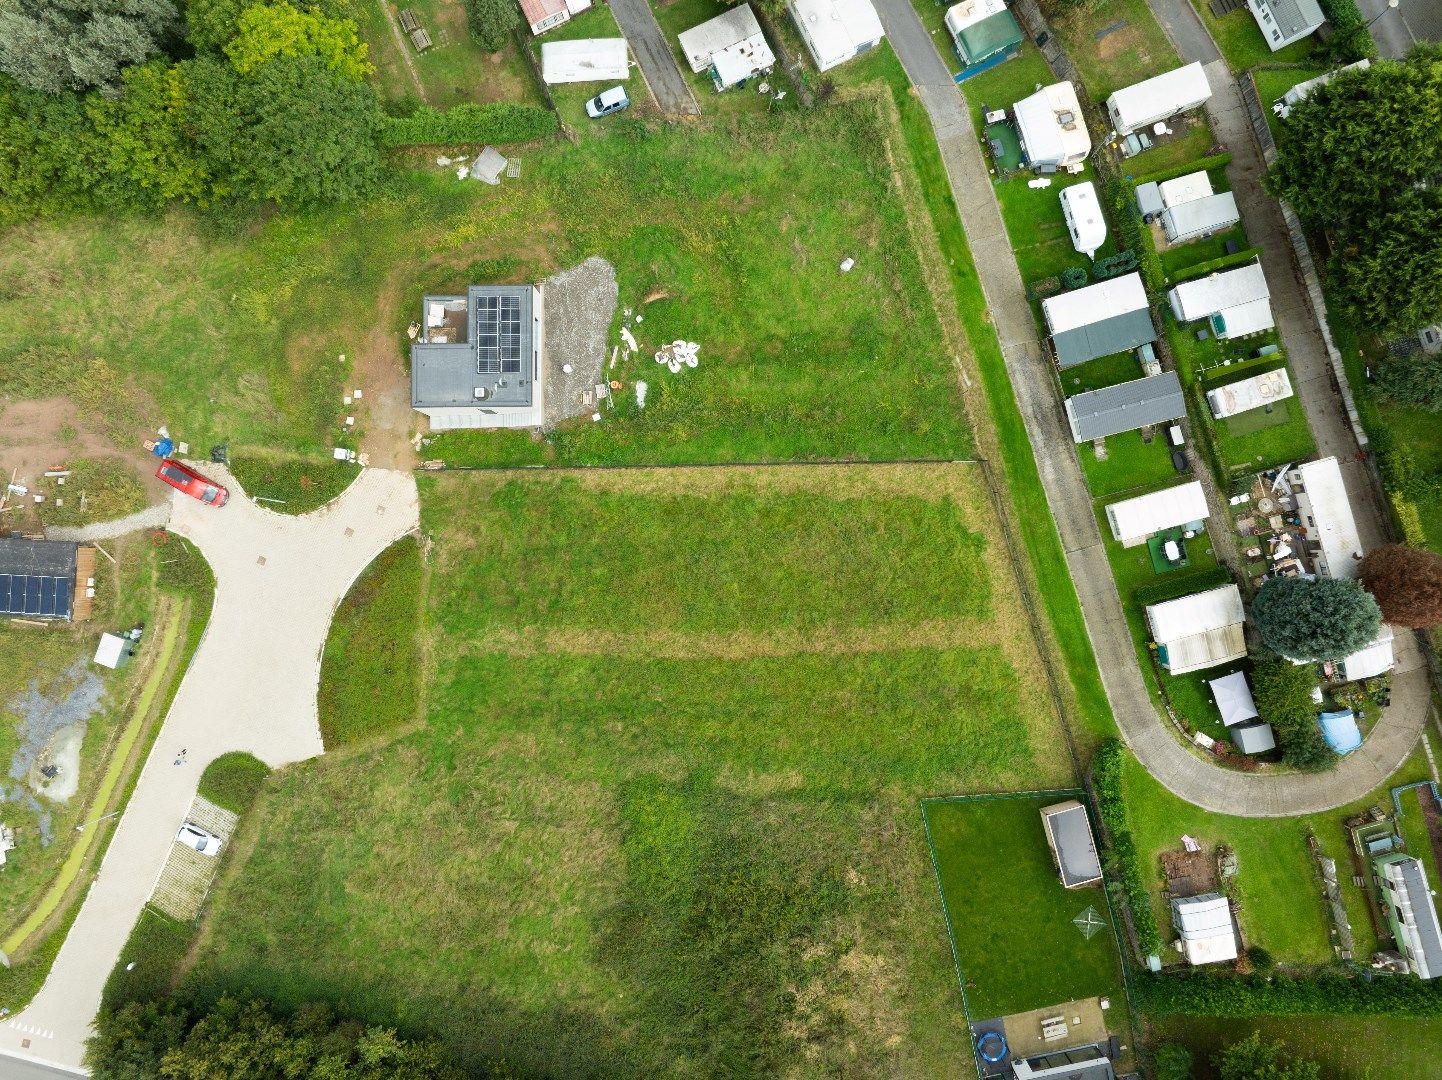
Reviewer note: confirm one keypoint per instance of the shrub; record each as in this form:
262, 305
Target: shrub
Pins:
497, 122
1073, 278
1321, 619
233, 781
1173, 1062
1124, 865
1204, 994
1407, 584
1351, 40
1414, 380
1123, 262
491, 22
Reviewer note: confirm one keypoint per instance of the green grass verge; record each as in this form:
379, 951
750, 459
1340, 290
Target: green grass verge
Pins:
233, 781
1347, 1047
157, 947
291, 485
1010, 918
369, 674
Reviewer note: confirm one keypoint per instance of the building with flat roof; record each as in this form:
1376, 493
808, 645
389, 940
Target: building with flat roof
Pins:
1109, 317
835, 31
1073, 848
1074, 1063
1084, 219
476, 360
1233, 698
1285, 21
1204, 925
1126, 407
1052, 129
1146, 103
984, 32
1200, 217
1372, 660
38, 578
1133, 521
1254, 392
1235, 303
1254, 738
1199, 631
1333, 546
1411, 912
585, 60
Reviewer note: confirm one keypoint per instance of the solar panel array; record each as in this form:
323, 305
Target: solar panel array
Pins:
498, 334
36, 596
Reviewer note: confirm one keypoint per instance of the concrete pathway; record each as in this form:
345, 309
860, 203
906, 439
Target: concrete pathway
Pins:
1185, 773
251, 686
152, 517
653, 53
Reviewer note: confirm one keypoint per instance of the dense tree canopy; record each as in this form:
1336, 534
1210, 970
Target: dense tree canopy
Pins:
244, 1038
1357, 158
1282, 692
1253, 1059
491, 22
59, 45
266, 31
1173, 1061
1407, 584
1322, 619
1415, 380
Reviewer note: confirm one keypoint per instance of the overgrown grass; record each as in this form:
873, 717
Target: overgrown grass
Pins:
106, 488
1010, 917
233, 781
289, 484
157, 947
1113, 45
369, 675
1347, 1047
691, 838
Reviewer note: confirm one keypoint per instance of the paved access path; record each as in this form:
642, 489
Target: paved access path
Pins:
251, 686
152, 517
653, 53
1187, 774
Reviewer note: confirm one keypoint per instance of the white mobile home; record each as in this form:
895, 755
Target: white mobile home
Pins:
1199, 631
1235, 302
1109, 317
1052, 130
1134, 520
585, 60
1145, 103
1326, 514
1084, 218
1200, 217
836, 30
731, 47
1244, 395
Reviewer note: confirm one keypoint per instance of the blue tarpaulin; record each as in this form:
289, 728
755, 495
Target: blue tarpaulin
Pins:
1340, 730
163, 448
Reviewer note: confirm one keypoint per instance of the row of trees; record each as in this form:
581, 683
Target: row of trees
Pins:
127, 106
1249, 1059
1360, 158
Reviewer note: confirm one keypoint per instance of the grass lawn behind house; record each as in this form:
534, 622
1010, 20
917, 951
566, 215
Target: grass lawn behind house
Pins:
1242, 44
1113, 45
1347, 1047
1130, 464
1010, 917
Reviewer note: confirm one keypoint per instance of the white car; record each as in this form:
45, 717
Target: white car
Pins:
193, 836
607, 102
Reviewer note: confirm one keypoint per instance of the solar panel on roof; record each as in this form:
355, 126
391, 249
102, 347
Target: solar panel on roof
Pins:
5, 593
47, 596
32, 596
40, 595
498, 334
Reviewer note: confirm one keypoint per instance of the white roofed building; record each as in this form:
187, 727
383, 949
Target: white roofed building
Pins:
1134, 520
1052, 129
1183, 189
1236, 303
1084, 218
1145, 103
1255, 392
1204, 924
1199, 631
1375, 659
835, 31
1326, 516
542, 15
585, 60
1233, 698
731, 47
984, 32
1200, 217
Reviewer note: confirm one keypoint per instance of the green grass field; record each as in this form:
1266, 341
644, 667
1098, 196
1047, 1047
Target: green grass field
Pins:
1346, 1047
660, 820
1131, 46
1010, 917
1130, 464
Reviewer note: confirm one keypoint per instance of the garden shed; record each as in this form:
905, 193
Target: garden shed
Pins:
1376, 659
835, 31
1199, 631
1204, 923
585, 60
1100, 320
1233, 698
1200, 217
1073, 848
112, 652
543, 15
1134, 520
1255, 738
1145, 103
1126, 407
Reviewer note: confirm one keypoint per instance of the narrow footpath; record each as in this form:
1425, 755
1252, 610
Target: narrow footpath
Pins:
1186, 774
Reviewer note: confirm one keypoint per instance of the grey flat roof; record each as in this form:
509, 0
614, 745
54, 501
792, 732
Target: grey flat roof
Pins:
1076, 850
497, 356
1295, 16
1254, 738
1424, 912
1126, 406
1114, 335
37, 578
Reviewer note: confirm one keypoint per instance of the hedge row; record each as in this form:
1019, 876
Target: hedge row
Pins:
1124, 865
1351, 38
1211, 266
1132, 233
1185, 585
498, 122
1201, 994
1205, 164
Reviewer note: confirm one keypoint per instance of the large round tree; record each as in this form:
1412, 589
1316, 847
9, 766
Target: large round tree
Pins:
1407, 583
1321, 619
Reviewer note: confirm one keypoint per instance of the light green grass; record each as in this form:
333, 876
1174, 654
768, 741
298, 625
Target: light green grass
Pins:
289, 484
157, 947
233, 781
1243, 46
369, 673
1255, 440
688, 850
1347, 1047
1010, 917
1099, 373
1135, 52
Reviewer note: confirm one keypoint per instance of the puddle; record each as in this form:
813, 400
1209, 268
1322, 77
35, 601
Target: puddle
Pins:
51, 733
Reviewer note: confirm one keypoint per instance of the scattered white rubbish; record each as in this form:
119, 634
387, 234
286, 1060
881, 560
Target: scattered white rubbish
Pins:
567, 368
463, 172
615, 352
847, 263
339, 453
595, 416
443, 161
346, 399
18, 489
640, 395
183, 448
358, 395
640, 318
162, 432
350, 421
1039, 182
628, 338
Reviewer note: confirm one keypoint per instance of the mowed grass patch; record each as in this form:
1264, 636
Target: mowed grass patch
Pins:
652, 851
233, 781
1009, 916
290, 484
369, 673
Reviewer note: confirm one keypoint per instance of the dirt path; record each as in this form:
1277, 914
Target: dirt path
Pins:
403, 47
381, 374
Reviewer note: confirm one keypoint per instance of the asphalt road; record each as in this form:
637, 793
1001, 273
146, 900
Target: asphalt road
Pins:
653, 53
251, 686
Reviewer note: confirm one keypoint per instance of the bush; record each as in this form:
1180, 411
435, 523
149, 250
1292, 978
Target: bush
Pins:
1173, 1062
1203, 994
1415, 381
233, 781
491, 22
1124, 865
1073, 278
1351, 39
1205, 164
497, 122
1123, 262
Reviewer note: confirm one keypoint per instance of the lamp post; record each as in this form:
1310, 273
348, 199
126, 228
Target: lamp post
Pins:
1392, 5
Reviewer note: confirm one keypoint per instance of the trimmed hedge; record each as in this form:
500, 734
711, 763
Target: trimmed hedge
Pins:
1205, 164
1211, 266
498, 122
1185, 585
1202, 994
1123, 864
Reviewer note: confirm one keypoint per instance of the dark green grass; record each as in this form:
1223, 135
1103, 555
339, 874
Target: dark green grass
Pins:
233, 781
1102, 372
157, 947
291, 485
699, 563
1010, 916
1274, 83
1257, 439
1347, 1047
1243, 46
1178, 259
369, 677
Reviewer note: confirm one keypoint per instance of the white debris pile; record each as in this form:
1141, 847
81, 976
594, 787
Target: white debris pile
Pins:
641, 394
678, 354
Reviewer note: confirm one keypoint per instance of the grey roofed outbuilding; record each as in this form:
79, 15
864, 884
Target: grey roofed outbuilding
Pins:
1126, 407
37, 578
492, 366
1149, 198
1295, 17
1254, 738
1424, 911
1069, 834
1114, 335
1200, 216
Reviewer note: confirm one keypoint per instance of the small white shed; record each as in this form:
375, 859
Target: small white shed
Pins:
112, 652
1204, 923
1234, 698
835, 31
